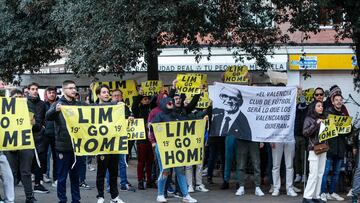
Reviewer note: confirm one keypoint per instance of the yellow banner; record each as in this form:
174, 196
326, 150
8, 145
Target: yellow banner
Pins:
15, 131
190, 83
127, 87
180, 143
136, 129
151, 87
329, 130
308, 95
322, 62
97, 130
342, 123
204, 101
236, 74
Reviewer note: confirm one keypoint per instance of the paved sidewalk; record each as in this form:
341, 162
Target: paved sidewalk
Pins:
146, 196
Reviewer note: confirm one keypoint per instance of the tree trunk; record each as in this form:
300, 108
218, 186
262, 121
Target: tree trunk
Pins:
151, 59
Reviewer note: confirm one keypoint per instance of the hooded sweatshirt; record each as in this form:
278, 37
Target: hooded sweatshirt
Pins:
165, 115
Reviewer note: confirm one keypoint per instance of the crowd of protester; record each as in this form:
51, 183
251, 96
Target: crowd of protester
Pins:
325, 174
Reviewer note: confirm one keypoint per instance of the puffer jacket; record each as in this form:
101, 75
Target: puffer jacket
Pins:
165, 116
49, 125
311, 131
62, 137
38, 108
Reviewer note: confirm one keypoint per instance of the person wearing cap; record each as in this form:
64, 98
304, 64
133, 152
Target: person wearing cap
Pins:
141, 108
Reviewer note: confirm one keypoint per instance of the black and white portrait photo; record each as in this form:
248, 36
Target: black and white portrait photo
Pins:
260, 114
229, 120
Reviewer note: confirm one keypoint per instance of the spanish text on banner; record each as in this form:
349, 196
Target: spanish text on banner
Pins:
261, 114
97, 130
180, 143
15, 131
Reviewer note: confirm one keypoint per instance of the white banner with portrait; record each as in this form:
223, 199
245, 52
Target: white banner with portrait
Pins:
261, 114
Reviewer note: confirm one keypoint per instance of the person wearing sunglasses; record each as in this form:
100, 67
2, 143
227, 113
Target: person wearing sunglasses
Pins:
168, 114
319, 94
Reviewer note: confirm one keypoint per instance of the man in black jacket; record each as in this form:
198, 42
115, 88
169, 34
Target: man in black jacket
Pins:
335, 155
49, 135
106, 162
38, 107
66, 162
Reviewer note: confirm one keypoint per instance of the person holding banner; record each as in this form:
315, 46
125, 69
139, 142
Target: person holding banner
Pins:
168, 114
117, 96
107, 161
49, 134
37, 106
316, 161
336, 153
21, 161
66, 159
7, 179
141, 108
199, 186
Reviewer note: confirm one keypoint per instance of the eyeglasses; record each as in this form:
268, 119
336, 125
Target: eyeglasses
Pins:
321, 94
224, 97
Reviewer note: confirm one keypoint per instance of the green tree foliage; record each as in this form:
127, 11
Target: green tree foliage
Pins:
305, 16
111, 35
28, 38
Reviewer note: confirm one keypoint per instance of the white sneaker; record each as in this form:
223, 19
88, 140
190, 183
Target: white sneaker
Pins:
189, 199
201, 188
116, 200
271, 189
349, 194
337, 197
323, 197
240, 191
190, 189
54, 184
161, 198
100, 200
290, 192
296, 189
297, 178
328, 196
258, 192
46, 179
275, 193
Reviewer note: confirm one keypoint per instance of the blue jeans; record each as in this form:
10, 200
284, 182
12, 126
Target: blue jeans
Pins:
63, 168
336, 164
230, 149
180, 175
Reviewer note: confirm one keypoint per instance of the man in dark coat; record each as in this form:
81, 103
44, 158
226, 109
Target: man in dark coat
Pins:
66, 162
38, 107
